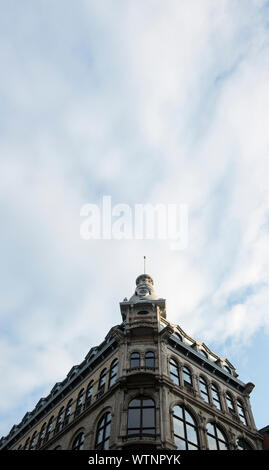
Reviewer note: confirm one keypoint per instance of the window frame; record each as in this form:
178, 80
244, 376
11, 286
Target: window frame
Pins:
142, 430
106, 419
186, 423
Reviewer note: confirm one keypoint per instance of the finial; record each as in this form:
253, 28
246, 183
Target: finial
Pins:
144, 265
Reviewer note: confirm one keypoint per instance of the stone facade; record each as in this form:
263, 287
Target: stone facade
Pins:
148, 385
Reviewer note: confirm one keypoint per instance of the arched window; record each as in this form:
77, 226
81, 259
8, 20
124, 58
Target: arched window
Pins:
215, 437
216, 397
243, 445
102, 380
230, 403
41, 435
59, 420
135, 360
49, 428
32, 443
67, 412
113, 373
185, 429
26, 444
187, 377
103, 432
204, 389
141, 417
174, 371
78, 443
150, 359
79, 402
241, 412
89, 392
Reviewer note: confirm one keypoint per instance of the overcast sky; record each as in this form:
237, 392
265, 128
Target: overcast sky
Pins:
149, 102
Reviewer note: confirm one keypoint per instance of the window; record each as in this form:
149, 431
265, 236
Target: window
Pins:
230, 403
102, 380
68, 412
41, 435
227, 369
187, 378
204, 389
103, 432
78, 443
135, 360
150, 359
26, 444
174, 371
59, 420
142, 312
185, 429
216, 397
215, 437
32, 443
113, 373
79, 402
241, 412
243, 445
141, 417
49, 428
89, 392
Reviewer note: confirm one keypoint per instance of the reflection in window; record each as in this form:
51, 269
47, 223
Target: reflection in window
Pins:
204, 389
174, 371
141, 417
187, 378
230, 403
185, 429
113, 373
150, 359
135, 360
78, 443
103, 432
32, 443
68, 412
102, 379
215, 437
241, 412
216, 397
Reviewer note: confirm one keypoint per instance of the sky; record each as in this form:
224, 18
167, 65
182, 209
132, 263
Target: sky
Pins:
146, 102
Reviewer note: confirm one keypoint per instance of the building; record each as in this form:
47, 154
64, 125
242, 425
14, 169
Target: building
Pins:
265, 433
147, 386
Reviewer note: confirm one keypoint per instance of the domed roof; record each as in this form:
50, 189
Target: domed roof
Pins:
144, 289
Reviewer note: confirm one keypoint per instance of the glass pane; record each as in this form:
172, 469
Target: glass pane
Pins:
148, 418
175, 379
222, 446
191, 447
181, 445
210, 429
99, 436
212, 443
107, 431
174, 370
220, 434
135, 403
149, 362
178, 427
191, 434
106, 445
178, 411
147, 402
189, 418
134, 418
